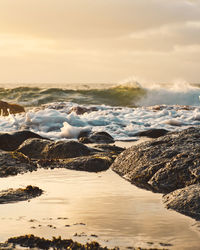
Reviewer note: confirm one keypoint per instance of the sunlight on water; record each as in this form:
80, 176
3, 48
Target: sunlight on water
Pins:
80, 203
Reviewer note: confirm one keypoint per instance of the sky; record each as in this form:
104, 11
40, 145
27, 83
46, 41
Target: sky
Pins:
88, 41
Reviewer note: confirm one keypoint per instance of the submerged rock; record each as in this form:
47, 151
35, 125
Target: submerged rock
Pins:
10, 142
152, 133
10, 108
20, 194
164, 164
13, 163
95, 137
93, 163
185, 201
79, 110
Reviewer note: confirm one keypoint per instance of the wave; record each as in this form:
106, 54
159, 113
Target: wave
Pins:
128, 94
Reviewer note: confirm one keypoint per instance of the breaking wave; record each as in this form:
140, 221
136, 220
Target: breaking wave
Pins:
129, 94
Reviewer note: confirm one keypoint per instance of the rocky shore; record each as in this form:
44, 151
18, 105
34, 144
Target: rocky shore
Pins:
170, 165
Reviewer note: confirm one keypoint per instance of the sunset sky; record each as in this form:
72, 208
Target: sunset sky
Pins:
99, 40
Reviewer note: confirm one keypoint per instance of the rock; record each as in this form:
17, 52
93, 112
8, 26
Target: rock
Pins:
95, 137
152, 133
20, 194
46, 149
10, 142
81, 110
34, 242
185, 201
33, 148
13, 163
109, 148
10, 108
164, 164
66, 149
92, 163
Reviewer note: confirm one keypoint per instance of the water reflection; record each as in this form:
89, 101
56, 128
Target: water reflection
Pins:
79, 204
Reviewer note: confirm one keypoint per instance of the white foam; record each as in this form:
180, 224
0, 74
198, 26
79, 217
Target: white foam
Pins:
121, 123
69, 132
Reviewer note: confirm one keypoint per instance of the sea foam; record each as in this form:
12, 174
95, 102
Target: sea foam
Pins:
120, 122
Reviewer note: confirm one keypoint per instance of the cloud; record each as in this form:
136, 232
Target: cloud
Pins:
103, 40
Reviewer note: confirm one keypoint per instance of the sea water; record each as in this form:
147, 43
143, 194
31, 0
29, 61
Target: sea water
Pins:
121, 110
101, 207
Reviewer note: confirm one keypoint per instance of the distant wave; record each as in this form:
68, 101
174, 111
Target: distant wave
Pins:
127, 94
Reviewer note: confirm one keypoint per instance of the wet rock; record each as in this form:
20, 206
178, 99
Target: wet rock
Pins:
33, 148
10, 142
32, 241
185, 201
93, 163
46, 149
13, 163
164, 164
20, 194
66, 149
79, 110
95, 137
109, 148
10, 108
152, 133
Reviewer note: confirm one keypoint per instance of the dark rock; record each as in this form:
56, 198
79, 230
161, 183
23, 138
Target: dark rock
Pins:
84, 134
152, 133
13, 163
44, 149
20, 194
10, 142
33, 148
66, 149
164, 164
81, 110
96, 137
109, 148
10, 108
185, 201
93, 163
31, 241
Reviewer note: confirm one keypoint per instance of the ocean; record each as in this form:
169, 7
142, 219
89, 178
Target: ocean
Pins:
119, 109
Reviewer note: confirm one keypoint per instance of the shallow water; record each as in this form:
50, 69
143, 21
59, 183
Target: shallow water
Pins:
106, 205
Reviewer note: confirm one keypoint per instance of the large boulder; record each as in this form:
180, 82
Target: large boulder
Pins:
185, 201
164, 164
10, 108
13, 163
10, 142
21, 194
